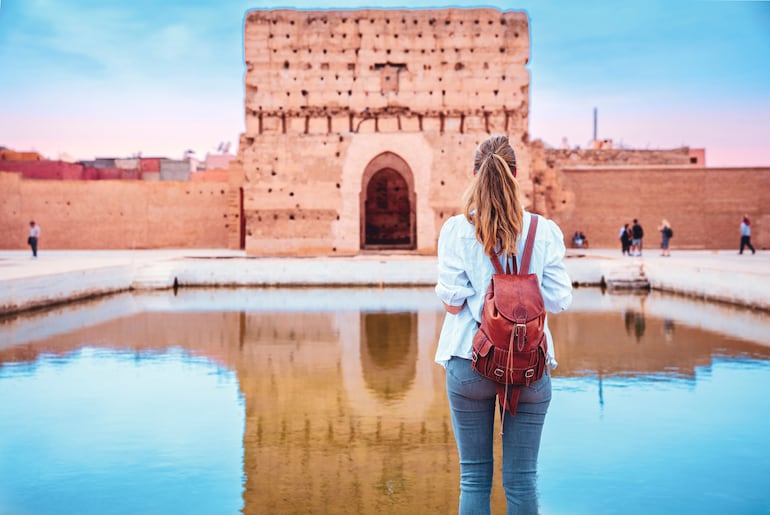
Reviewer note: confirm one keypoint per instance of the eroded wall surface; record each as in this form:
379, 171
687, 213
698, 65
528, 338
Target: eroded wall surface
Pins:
551, 195
329, 93
114, 214
703, 205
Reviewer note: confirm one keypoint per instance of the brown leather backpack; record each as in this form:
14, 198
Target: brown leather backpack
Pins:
510, 346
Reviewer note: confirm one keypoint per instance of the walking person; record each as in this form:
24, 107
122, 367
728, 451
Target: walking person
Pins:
746, 235
665, 235
637, 233
625, 240
34, 235
494, 225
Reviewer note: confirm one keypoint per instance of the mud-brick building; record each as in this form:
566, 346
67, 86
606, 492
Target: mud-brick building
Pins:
361, 125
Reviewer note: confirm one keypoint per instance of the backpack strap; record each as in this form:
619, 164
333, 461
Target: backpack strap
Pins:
496, 264
526, 257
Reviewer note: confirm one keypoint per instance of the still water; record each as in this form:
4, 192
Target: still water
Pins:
328, 401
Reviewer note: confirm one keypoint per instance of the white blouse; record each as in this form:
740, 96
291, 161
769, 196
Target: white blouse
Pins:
465, 271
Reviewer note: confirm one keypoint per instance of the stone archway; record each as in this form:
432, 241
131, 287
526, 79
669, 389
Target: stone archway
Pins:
388, 204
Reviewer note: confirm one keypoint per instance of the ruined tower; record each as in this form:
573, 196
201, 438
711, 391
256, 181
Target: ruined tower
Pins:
361, 125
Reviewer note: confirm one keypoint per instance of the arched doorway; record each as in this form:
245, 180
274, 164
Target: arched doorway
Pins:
388, 204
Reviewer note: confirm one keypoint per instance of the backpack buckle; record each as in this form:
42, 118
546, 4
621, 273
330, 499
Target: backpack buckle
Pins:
499, 372
520, 335
529, 373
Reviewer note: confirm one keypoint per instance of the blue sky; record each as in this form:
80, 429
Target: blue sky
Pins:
113, 78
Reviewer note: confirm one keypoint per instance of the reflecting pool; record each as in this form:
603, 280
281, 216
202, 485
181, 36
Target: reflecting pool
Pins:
328, 401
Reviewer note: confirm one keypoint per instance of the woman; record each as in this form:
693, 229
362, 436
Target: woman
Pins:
746, 235
494, 223
665, 236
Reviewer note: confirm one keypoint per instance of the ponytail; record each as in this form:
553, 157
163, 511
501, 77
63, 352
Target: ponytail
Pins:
492, 201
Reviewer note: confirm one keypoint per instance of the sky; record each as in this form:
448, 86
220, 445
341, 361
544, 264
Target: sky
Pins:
99, 78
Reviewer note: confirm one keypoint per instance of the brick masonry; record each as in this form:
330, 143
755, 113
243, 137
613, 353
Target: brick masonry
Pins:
328, 93
703, 205
113, 214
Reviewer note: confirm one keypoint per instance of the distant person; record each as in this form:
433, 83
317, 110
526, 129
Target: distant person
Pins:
637, 233
579, 240
494, 226
625, 239
34, 235
665, 235
746, 235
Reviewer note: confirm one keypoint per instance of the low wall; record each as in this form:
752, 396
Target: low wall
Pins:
113, 214
703, 205
716, 280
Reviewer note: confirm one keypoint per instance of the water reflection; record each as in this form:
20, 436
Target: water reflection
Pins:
389, 352
344, 410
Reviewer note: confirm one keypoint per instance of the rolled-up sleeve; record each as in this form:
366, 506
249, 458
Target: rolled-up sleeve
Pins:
556, 285
453, 285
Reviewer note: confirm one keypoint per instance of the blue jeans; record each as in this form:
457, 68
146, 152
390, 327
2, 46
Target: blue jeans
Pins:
472, 401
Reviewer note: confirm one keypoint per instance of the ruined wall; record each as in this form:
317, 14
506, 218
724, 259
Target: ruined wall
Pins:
329, 93
551, 196
113, 214
703, 205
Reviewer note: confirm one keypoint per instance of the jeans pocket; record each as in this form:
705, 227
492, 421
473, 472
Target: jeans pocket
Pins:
539, 391
461, 372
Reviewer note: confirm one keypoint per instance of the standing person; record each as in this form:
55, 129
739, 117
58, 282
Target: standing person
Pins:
625, 240
746, 235
578, 239
665, 235
34, 235
494, 223
637, 233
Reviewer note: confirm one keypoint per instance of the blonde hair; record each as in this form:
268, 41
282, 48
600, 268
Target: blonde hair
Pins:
492, 201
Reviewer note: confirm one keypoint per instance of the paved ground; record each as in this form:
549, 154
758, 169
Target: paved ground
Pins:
15, 264
57, 276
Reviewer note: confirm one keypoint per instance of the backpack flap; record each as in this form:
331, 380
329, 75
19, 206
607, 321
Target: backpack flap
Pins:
517, 300
517, 297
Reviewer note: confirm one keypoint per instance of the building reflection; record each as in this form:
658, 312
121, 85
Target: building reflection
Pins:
389, 352
347, 410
